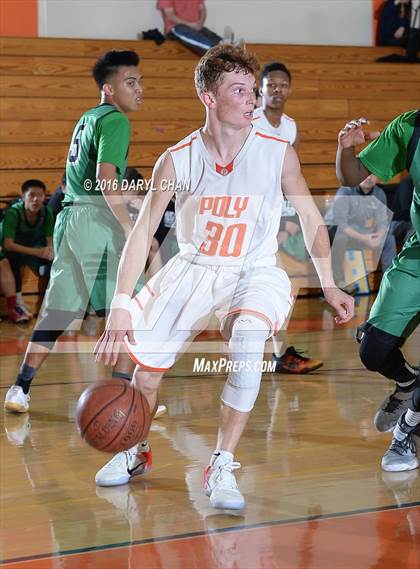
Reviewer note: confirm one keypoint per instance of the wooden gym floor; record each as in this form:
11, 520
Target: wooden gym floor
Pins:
316, 495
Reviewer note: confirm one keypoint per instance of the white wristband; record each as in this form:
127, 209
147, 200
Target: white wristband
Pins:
121, 301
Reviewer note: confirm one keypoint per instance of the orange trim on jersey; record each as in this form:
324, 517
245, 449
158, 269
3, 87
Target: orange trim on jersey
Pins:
183, 145
224, 170
147, 368
139, 303
271, 137
276, 328
150, 290
250, 311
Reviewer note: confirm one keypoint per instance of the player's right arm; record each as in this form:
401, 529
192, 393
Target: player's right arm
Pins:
133, 261
350, 170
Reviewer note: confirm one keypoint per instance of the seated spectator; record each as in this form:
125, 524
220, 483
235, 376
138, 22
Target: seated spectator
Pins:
8, 288
360, 220
184, 21
57, 197
394, 23
27, 230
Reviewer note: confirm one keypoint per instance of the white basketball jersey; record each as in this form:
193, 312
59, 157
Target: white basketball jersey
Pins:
229, 214
286, 129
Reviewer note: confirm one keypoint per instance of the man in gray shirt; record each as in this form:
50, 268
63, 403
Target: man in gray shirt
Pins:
362, 219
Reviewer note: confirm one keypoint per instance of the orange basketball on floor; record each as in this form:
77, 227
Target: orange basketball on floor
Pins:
112, 416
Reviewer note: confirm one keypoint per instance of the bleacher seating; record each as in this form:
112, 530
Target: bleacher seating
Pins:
46, 85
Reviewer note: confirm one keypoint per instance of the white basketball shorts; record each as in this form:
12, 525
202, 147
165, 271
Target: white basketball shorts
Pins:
179, 301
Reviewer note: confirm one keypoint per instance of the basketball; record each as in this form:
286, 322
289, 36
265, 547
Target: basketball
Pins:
112, 416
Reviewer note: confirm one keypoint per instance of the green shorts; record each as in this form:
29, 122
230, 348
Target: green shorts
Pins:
396, 309
87, 243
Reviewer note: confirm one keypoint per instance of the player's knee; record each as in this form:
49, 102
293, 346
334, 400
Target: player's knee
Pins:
240, 397
147, 382
50, 325
246, 347
45, 338
375, 346
247, 327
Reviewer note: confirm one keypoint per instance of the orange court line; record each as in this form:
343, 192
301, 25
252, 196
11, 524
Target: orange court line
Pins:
385, 539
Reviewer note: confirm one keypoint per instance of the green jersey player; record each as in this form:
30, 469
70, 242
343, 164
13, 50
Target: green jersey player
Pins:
396, 311
91, 229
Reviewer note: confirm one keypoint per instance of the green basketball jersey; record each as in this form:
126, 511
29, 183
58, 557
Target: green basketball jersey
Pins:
16, 226
101, 135
386, 156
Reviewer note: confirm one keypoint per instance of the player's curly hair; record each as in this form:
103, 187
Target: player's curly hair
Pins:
221, 59
109, 63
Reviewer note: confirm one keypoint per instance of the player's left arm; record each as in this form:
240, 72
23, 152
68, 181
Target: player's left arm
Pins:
315, 234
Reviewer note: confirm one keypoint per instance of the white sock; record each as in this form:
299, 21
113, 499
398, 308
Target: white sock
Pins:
412, 418
19, 299
225, 455
399, 434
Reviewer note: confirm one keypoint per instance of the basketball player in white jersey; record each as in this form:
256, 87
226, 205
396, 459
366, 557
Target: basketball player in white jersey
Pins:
230, 179
275, 89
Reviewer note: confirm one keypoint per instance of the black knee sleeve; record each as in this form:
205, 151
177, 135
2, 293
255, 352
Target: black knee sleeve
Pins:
50, 326
375, 346
379, 351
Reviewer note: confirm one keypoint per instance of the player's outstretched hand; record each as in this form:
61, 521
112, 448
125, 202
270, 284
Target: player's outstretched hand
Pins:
118, 326
352, 134
342, 303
